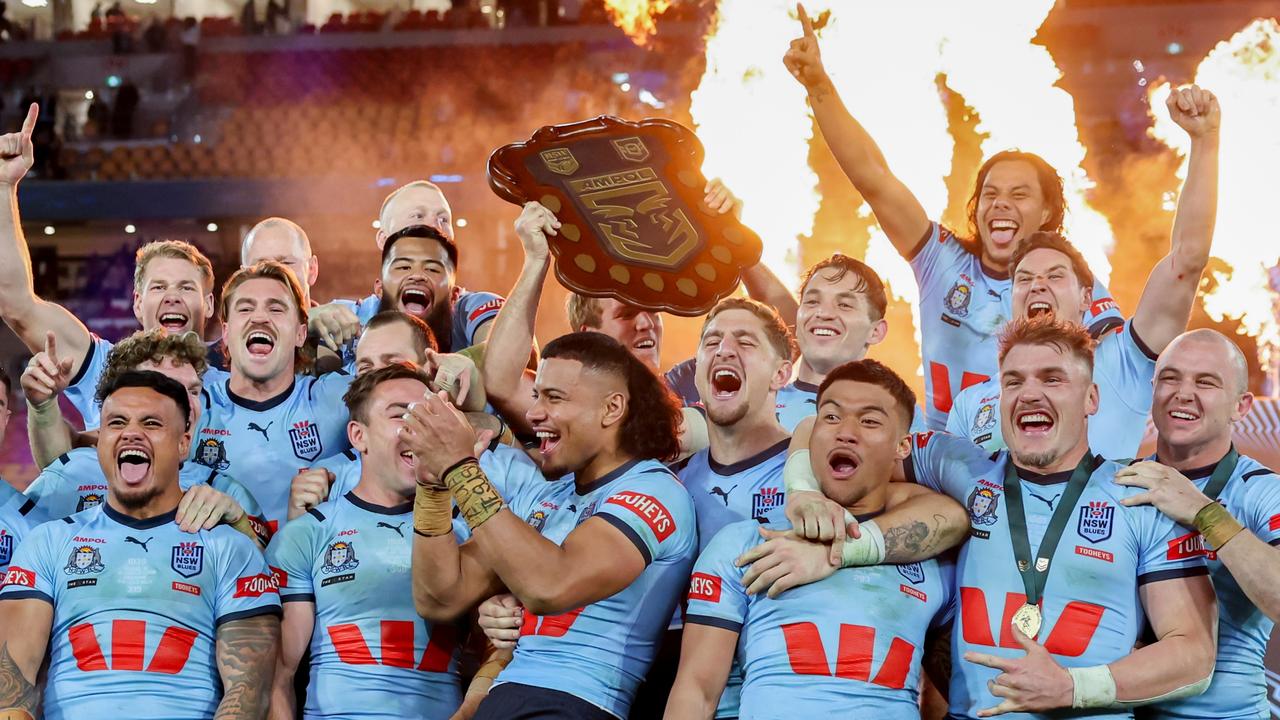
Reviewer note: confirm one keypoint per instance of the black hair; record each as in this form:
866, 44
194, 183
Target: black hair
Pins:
651, 428
421, 231
152, 380
874, 373
361, 389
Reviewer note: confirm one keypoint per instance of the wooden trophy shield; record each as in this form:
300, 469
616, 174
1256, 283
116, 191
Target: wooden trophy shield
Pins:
633, 224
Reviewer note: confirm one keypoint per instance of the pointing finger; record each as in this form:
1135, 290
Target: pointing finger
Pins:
29, 124
805, 22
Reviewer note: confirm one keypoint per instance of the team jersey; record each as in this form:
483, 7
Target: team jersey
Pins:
18, 516
1239, 688
799, 400
852, 641
82, 390
372, 655
134, 634
750, 489
962, 307
1092, 614
1122, 368
75, 482
470, 311
599, 653
680, 379
264, 443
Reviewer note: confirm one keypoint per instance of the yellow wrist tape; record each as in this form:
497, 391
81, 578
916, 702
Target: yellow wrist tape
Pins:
432, 514
476, 498
1216, 525
497, 660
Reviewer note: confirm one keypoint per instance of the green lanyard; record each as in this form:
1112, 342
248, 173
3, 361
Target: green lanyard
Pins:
1034, 575
1221, 474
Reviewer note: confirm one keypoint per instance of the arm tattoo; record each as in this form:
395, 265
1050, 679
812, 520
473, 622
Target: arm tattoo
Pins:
917, 540
18, 696
246, 661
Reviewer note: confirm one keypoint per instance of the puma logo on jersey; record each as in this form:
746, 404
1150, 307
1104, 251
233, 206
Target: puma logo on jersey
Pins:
263, 430
723, 493
1048, 502
136, 541
398, 528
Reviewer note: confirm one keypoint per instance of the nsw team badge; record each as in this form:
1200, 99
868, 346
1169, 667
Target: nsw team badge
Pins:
913, 572
1095, 521
187, 559
982, 504
88, 500
305, 436
766, 500
6, 547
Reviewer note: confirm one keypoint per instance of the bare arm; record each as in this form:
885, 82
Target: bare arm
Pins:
919, 524
764, 286
1184, 615
247, 653
448, 579
24, 638
295, 635
1165, 306
28, 316
706, 654
897, 210
1255, 566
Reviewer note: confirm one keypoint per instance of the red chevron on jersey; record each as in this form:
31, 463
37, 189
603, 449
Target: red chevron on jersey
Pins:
653, 513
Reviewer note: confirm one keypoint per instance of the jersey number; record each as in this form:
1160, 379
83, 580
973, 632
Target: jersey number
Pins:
128, 645
397, 645
853, 659
550, 625
1070, 636
941, 376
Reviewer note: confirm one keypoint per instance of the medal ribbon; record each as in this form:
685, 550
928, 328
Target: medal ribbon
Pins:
1222, 474
1033, 580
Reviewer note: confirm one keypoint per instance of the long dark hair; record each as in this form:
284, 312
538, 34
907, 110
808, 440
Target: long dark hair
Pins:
1051, 189
651, 427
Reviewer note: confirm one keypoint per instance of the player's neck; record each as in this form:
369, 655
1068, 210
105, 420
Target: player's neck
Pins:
744, 439
259, 390
377, 491
993, 268
1193, 456
162, 503
871, 503
603, 463
811, 375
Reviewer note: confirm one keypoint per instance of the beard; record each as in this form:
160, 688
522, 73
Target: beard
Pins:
439, 319
136, 498
1037, 460
727, 417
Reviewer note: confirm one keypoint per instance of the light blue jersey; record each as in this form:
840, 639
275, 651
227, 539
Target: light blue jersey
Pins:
847, 644
136, 609
751, 489
263, 444
75, 482
799, 400
1092, 613
83, 389
962, 308
1122, 367
18, 516
372, 656
1238, 690
470, 311
599, 653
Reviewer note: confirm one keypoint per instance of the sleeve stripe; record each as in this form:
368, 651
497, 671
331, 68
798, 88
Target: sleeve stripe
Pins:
928, 233
1275, 542
1151, 355
27, 595
631, 534
252, 612
1173, 574
909, 466
88, 360
298, 597
729, 625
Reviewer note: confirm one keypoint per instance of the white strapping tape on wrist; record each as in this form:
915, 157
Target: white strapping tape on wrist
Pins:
865, 550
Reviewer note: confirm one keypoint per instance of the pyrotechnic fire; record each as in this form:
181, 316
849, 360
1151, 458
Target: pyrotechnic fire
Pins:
1244, 72
637, 18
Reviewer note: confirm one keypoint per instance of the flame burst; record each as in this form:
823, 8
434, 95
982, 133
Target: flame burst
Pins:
1244, 72
637, 18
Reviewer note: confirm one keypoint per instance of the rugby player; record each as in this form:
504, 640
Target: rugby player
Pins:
1228, 507
965, 292
1051, 278
599, 558
183, 633
18, 513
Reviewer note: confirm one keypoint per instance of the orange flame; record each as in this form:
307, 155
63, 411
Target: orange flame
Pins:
637, 18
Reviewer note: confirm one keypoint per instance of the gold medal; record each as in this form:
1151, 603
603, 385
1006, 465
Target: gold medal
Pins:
1027, 619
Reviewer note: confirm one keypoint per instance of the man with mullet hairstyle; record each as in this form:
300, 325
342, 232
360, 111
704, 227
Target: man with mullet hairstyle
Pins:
135, 618
599, 557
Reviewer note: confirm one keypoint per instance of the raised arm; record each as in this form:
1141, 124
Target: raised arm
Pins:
28, 315
295, 636
512, 333
898, 211
43, 380
24, 637
1166, 302
247, 653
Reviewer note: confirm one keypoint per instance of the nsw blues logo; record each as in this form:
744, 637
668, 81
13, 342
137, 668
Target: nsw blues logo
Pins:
765, 500
957, 300
187, 559
6, 548
84, 560
305, 436
1095, 521
340, 557
913, 572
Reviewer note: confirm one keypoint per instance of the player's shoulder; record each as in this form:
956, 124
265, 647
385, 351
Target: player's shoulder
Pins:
479, 300
651, 475
336, 380
739, 536
227, 540
1256, 478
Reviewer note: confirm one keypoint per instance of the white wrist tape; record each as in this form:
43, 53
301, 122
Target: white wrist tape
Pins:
797, 474
866, 550
693, 432
1094, 687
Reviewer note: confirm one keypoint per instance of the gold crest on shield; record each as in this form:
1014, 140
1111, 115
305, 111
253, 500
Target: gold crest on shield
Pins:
560, 161
632, 210
632, 148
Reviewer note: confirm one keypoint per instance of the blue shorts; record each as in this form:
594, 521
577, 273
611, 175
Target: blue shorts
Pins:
513, 701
